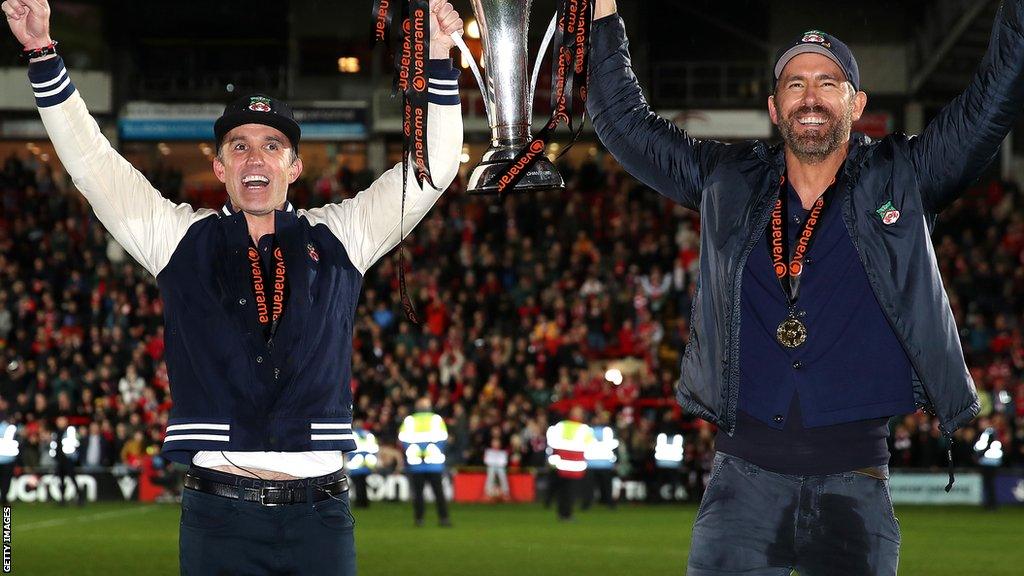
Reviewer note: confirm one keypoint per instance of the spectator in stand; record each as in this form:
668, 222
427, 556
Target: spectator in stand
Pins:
131, 386
134, 450
496, 460
96, 448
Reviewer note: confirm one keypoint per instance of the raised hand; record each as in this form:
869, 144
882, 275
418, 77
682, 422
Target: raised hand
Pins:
443, 21
29, 21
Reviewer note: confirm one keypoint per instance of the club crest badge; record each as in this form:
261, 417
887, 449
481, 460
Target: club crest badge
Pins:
313, 254
259, 104
817, 37
888, 213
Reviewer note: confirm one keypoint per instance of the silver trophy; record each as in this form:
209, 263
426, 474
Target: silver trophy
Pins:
508, 94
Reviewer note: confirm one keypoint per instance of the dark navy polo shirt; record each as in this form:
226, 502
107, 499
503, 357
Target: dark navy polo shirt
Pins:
824, 405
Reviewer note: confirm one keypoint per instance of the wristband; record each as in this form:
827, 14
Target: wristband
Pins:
32, 53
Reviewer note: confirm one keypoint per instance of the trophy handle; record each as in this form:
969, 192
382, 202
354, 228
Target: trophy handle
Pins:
484, 88
540, 57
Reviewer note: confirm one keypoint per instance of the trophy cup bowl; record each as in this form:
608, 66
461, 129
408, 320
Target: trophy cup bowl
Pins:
508, 94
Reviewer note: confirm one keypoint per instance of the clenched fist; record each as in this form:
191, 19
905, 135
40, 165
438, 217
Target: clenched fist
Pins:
29, 21
444, 20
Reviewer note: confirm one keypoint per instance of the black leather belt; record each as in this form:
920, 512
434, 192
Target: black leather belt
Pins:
269, 495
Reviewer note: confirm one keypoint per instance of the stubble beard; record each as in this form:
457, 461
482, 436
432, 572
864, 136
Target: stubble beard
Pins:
815, 148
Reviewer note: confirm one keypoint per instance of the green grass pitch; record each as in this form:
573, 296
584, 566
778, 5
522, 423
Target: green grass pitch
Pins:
512, 540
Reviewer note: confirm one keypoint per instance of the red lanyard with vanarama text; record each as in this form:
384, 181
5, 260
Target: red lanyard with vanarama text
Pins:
268, 312
789, 265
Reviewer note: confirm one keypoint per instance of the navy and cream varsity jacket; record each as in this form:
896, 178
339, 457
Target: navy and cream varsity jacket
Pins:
231, 391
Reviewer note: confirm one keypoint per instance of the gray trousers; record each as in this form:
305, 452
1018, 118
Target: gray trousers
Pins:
755, 522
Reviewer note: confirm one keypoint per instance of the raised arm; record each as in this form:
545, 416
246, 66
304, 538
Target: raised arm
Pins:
147, 225
368, 224
964, 138
652, 149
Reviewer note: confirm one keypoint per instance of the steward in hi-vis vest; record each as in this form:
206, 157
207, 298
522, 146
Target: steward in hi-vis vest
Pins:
424, 437
361, 462
567, 445
668, 451
9, 451
601, 459
64, 451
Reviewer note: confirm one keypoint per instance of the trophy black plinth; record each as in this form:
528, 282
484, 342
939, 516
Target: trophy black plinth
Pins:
540, 177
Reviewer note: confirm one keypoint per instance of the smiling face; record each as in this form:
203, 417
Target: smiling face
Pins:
256, 163
814, 107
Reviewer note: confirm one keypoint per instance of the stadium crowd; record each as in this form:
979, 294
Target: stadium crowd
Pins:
524, 304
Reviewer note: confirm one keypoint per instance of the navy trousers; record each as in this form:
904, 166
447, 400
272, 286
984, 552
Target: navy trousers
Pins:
419, 482
755, 522
223, 536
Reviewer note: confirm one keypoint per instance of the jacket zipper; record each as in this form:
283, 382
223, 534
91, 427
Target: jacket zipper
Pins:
734, 343
852, 230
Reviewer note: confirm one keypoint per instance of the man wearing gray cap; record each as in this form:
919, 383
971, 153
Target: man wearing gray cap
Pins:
820, 311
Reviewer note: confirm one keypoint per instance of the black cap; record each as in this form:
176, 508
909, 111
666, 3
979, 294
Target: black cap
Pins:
827, 45
258, 109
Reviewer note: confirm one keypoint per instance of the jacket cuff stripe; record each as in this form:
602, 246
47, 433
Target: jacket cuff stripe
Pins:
50, 82
444, 100
443, 82
440, 92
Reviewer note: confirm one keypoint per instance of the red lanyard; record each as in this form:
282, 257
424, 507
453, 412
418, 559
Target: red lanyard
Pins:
268, 312
789, 272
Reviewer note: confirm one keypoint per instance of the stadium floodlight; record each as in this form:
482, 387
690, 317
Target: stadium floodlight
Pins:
613, 375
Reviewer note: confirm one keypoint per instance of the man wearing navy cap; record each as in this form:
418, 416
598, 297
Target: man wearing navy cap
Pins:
820, 311
259, 300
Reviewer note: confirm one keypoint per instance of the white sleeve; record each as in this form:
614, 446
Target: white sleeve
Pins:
367, 225
145, 223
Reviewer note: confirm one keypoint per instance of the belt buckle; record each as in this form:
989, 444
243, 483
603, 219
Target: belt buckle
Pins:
263, 497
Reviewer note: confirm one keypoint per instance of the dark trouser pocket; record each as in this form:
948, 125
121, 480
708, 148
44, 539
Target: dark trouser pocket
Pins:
335, 513
200, 511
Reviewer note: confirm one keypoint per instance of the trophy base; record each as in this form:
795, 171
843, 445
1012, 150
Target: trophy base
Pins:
542, 176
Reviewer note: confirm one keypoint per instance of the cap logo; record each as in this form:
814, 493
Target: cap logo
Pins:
259, 104
816, 37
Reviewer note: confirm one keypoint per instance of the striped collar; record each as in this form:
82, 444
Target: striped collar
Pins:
229, 210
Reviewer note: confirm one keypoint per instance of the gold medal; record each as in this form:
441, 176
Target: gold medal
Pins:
789, 264
791, 333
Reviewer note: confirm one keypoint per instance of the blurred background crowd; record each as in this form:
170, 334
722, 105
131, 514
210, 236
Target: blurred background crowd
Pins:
525, 304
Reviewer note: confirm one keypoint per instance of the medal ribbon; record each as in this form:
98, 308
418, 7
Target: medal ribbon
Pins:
268, 312
568, 85
412, 82
383, 14
789, 272
410, 46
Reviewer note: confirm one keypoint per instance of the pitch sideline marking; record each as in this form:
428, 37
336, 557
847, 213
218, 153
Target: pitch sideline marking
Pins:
90, 517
